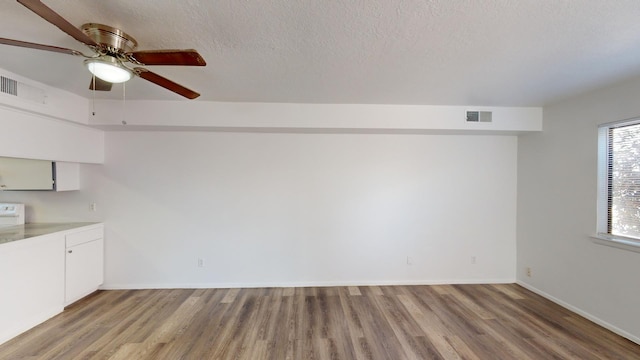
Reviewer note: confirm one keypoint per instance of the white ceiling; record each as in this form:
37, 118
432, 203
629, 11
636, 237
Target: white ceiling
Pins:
432, 52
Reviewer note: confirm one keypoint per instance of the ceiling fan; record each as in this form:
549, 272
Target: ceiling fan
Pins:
113, 48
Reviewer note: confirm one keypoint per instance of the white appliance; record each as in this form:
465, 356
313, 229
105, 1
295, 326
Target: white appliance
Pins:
11, 214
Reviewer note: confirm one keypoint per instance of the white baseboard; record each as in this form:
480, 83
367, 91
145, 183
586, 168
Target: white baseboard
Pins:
581, 312
108, 286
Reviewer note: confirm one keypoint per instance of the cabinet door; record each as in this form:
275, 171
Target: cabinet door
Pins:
67, 176
31, 283
84, 269
25, 174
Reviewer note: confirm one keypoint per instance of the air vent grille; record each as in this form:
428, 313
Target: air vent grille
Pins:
21, 90
8, 86
479, 116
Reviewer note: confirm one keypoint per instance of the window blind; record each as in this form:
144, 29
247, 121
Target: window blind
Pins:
623, 178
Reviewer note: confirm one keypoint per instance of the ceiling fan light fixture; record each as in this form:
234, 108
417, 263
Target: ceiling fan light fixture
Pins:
108, 69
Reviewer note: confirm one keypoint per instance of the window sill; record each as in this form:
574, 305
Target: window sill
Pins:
617, 242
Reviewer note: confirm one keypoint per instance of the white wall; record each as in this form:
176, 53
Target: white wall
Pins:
298, 209
35, 136
557, 190
57, 104
53, 129
208, 115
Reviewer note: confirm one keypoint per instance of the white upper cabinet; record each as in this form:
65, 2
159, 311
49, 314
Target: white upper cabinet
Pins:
67, 176
27, 174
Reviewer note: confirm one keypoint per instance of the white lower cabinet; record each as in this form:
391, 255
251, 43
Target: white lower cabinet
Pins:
31, 283
84, 263
40, 275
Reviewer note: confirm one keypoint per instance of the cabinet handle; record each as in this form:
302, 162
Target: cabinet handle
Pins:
70, 251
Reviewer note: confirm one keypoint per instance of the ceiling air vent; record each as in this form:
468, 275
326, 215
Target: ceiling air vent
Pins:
478, 116
21, 90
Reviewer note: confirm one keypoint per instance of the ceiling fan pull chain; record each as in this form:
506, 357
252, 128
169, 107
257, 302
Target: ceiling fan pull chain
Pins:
93, 95
124, 102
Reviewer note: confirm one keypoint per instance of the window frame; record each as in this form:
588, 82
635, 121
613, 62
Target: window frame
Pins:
603, 236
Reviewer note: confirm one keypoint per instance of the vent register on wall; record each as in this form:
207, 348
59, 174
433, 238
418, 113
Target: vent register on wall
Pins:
21, 90
479, 116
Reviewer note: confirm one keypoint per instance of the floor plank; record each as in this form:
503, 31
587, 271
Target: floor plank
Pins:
502, 321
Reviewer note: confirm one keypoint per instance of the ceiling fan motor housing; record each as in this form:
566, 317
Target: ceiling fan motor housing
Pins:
113, 48
112, 41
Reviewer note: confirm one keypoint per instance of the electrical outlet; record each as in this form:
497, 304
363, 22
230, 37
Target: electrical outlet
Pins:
528, 272
473, 260
93, 207
409, 260
200, 262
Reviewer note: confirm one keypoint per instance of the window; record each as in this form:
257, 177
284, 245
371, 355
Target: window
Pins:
619, 182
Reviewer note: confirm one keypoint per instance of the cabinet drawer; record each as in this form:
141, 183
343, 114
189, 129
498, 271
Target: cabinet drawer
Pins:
82, 237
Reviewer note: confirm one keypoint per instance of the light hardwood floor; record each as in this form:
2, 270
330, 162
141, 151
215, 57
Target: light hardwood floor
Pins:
387, 322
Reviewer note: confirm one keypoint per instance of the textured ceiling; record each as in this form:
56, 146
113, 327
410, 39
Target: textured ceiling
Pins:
435, 52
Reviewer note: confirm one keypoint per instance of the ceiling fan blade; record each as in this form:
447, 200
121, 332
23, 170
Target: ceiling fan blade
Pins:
188, 57
100, 85
51, 16
31, 45
165, 83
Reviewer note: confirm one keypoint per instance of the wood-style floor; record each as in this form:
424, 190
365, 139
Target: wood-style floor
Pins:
388, 322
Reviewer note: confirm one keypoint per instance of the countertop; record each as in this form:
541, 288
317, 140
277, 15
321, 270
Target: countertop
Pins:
20, 232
